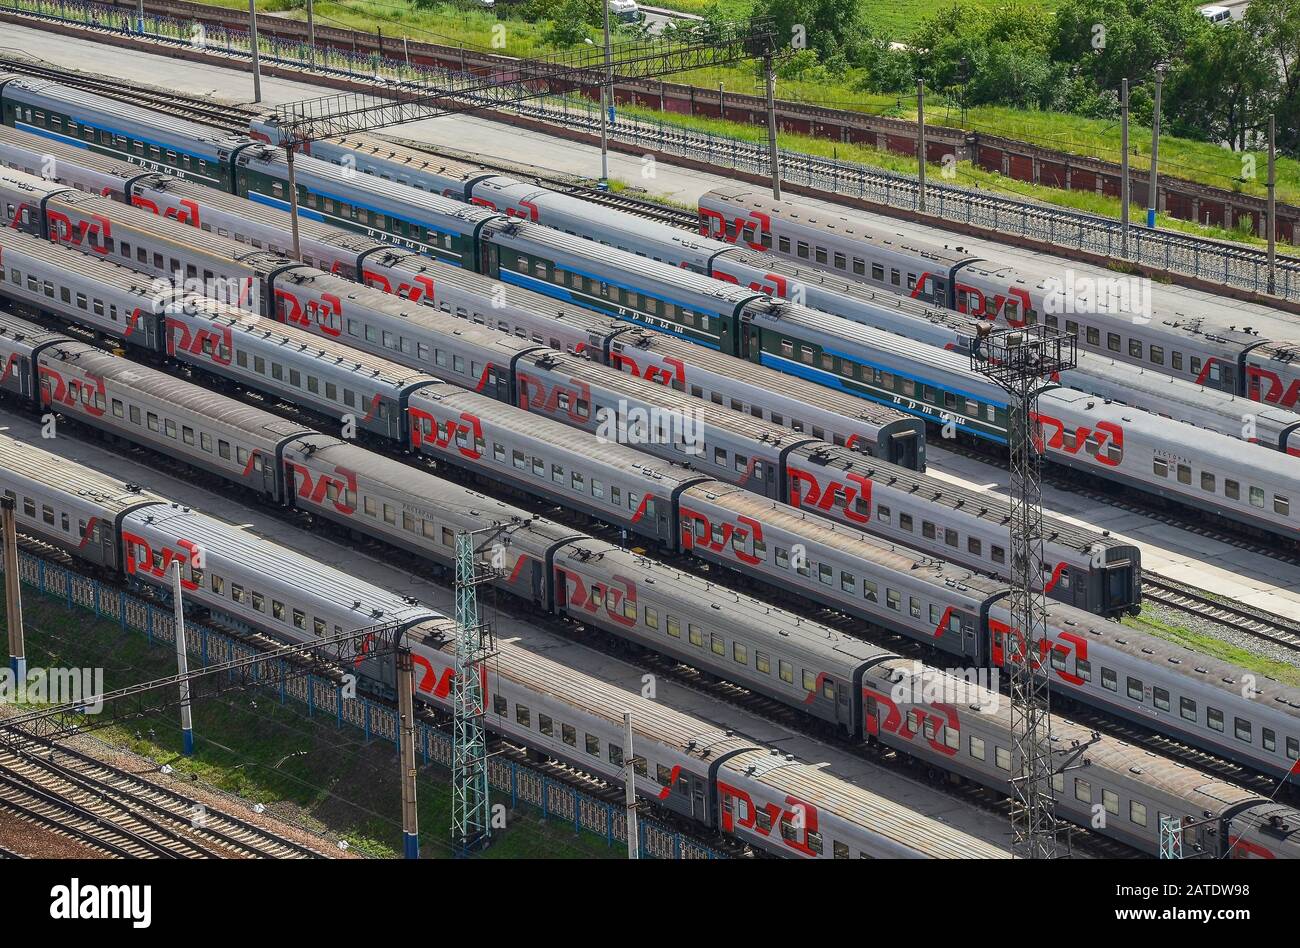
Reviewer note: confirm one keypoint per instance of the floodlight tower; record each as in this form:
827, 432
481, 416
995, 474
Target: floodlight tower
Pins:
471, 812
1019, 360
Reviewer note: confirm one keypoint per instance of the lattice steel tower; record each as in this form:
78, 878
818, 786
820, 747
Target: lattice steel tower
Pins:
1019, 361
471, 812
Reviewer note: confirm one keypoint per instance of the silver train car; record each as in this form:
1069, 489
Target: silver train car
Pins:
877, 430
874, 696
1252, 356
384, 398
955, 612
718, 780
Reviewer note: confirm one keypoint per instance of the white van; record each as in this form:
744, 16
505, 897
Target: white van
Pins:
1216, 14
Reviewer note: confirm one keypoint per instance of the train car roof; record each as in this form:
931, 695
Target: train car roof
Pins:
52, 472
80, 100
831, 222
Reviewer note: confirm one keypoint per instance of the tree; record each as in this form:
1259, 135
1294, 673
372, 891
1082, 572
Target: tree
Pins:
1275, 24
1222, 90
572, 22
828, 27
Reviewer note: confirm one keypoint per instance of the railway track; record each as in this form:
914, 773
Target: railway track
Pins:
1256, 622
154, 821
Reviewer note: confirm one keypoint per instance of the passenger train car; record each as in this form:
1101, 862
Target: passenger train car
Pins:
712, 777
395, 401
811, 275
863, 690
960, 614
1254, 356
884, 369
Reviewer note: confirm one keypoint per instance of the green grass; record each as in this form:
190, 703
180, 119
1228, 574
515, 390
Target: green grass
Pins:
247, 743
1201, 642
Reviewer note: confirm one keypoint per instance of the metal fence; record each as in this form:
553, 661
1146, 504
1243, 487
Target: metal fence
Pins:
555, 799
1238, 267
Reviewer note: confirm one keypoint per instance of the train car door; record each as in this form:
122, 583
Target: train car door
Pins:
904, 450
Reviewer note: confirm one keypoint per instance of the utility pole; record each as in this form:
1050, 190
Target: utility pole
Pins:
293, 200
139, 16
774, 157
471, 819
607, 89
1124, 192
1272, 204
252, 43
311, 35
722, 105
629, 789
920, 145
182, 661
13, 590
1153, 192
1020, 361
406, 749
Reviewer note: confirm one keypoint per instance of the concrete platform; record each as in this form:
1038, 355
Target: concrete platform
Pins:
858, 771
1247, 577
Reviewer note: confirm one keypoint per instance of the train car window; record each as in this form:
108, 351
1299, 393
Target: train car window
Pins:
390, 515
135, 414
977, 747
1161, 698
236, 592
694, 634
841, 261
895, 277
652, 617
117, 407
1269, 738
597, 488
905, 522
1281, 505
205, 441
763, 662
1135, 348
1232, 489
1187, 708
593, 745
783, 244
914, 607
545, 724
1257, 497
1135, 689
1214, 718
169, 428
1176, 360
1293, 748
569, 734
802, 250
1109, 680
616, 496
1058, 660
499, 705
1207, 481
717, 645
47, 514
1160, 467
408, 521
152, 421
740, 652
848, 582
927, 530
1184, 474
999, 554
665, 777
523, 716
616, 755
892, 599
1082, 790
1110, 800
299, 619
368, 505
878, 273
911, 281
785, 671
870, 592
674, 627
1002, 757
29, 508
277, 609
1242, 729
825, 573
1195, 366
